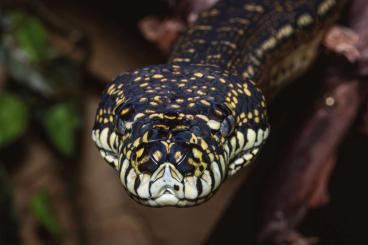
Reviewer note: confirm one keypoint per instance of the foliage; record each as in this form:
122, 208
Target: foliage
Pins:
48, 79
41, 209
30, 35
13, 118
62, 122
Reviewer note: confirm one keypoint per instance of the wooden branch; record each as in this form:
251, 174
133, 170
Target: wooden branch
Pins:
302, 179
164, 32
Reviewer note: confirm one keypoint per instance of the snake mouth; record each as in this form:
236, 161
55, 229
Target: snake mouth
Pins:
166, 190
167, 200
166, 197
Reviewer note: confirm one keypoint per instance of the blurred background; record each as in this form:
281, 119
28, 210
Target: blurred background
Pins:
55, 59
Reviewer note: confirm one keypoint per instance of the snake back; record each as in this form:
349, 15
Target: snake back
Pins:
174, 132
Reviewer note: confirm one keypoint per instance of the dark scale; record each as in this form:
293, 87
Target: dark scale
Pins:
176, 131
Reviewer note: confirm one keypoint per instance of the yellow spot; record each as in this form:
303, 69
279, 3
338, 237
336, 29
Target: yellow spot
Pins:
111, 89
229, 44
325, 6
270, 43
157, 76
247, 92
245, 75
136, 142
181, 60
197, 153
284, 32
157, 155
222, 80
142, 99
235, 99
157, 98
203, 117
170, 117
124, 111
205, 102
198, 74
304, 20
142, 85
193, 139
215, 125
167, 145
200, 92
178, 156
145, 137
250, 70
128, 154
137, 79
162, 126
139, 152
204, 144
253, 7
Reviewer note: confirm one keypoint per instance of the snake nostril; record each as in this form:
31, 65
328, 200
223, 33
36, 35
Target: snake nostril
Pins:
176, 187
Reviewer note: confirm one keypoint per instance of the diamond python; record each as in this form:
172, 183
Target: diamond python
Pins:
174, 132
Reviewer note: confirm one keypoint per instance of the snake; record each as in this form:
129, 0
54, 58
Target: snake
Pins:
175, 132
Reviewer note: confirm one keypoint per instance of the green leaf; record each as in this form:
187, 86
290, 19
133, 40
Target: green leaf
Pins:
62, 122
40, 207
31, 36
13, 118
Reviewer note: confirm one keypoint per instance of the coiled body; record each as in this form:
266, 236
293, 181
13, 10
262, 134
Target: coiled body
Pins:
176, 131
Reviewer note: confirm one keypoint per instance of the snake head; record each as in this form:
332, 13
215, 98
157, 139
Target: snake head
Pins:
175, 133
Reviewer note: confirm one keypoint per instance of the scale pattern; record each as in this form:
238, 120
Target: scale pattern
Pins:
176, 131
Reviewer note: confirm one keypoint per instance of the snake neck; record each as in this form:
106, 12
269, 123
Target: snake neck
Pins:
269, 42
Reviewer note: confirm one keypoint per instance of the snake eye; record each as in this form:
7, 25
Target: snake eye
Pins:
223, 112
227, 126
123, 114
120, 126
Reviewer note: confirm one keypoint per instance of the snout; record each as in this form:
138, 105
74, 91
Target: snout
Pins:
166, 185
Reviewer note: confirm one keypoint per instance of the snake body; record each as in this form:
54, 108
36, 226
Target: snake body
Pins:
176, 131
